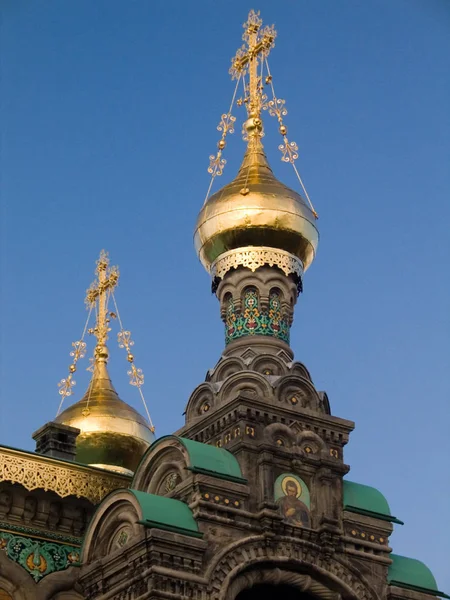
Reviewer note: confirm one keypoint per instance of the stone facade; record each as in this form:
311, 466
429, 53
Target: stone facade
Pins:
262, 406
280, 523
46, 505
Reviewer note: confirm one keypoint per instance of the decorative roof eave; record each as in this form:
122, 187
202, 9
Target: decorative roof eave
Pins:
416, 588
219, 462
366, 500
36, 471
375, 515
412, 574
200, 458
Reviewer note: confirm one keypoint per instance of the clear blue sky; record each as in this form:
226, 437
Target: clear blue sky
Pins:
109, 113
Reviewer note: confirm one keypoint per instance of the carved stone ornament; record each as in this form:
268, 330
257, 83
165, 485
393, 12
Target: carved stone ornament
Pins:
42, 473
171, 481
254, 257
225, 575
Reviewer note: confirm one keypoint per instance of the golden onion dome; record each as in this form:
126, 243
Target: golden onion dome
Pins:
255, 209
113, 435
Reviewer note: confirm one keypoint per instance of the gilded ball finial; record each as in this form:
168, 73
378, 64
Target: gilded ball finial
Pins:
101, 352
253, 125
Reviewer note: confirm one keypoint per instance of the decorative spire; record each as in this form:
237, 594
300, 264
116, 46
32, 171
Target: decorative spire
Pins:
250, 65
255, 219
97, 300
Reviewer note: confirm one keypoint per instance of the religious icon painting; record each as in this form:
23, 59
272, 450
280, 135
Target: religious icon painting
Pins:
292, 496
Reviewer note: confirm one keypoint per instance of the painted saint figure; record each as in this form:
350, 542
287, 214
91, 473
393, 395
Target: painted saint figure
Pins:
294, 511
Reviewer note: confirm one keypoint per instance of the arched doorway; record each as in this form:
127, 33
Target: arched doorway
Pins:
4, 595
269, 591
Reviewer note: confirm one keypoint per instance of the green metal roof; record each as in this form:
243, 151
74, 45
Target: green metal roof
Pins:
209, 460
412, 574
367, 500
166, 513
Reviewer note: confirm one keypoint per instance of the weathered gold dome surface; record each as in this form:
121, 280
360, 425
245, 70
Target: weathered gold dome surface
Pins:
255, 209
112, 434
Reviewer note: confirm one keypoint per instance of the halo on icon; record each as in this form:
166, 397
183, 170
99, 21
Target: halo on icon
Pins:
294, 481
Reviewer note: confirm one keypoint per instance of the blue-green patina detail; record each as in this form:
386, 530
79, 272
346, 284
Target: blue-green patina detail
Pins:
38, 557
255, 321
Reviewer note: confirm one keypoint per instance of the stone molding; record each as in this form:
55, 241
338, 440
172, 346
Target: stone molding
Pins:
251, 552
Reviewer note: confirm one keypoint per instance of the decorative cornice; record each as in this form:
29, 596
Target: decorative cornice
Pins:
46, 536
254, 257
42, 472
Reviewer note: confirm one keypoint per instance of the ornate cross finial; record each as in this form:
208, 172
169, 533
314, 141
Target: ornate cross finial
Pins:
252, 59
97, 300
258, 42
99, 291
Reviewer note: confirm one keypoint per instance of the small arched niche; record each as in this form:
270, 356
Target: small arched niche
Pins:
4, 595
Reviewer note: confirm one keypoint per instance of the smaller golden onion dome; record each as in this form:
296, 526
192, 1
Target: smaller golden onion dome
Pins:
113, 435
255, 209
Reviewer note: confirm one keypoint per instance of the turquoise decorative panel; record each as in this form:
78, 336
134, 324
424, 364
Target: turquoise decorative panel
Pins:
38, 557
254, 321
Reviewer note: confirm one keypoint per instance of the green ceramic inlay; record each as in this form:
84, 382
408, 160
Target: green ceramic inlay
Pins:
254, 321
38, 557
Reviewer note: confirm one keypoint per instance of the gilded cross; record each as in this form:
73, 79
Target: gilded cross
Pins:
100, 290
258, 42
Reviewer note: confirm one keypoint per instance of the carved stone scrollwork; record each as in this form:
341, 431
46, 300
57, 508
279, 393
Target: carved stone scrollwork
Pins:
291, 564
171, 481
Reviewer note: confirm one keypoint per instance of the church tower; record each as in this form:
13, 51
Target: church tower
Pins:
250, 498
